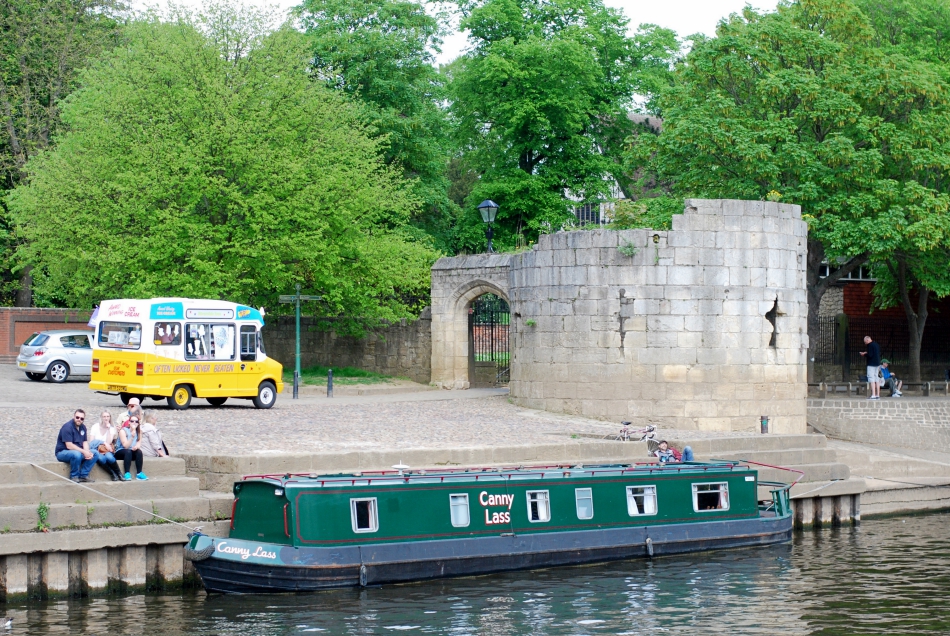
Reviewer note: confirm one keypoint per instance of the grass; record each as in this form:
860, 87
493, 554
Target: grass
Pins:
342, 376
501, 358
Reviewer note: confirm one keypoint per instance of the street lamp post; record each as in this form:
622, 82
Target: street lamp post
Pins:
488, 209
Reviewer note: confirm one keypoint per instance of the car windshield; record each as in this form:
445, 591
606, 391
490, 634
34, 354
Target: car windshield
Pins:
36, 340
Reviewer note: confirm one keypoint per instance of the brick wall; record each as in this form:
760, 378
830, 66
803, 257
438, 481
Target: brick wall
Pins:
858, 299
922, 423
17, 323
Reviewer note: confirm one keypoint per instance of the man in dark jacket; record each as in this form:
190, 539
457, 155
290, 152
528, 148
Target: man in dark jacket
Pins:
873, 360
72, 447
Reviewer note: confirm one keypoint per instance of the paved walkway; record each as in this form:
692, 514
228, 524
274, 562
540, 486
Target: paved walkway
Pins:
32, 412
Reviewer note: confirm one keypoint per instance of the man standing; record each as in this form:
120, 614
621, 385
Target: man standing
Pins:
873, 360
72, 447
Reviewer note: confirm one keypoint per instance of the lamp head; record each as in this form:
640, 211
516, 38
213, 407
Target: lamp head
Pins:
488, 209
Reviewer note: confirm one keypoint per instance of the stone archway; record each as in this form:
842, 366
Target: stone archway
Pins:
456, 282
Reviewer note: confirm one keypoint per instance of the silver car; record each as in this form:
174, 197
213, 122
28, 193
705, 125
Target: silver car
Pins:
56, 355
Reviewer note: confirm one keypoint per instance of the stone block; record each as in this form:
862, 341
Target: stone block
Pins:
56, 573
15, 577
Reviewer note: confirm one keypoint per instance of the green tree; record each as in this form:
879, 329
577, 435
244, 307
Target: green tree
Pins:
43, 45
917, 28
801, 102
541, 102
380, 52
200, 160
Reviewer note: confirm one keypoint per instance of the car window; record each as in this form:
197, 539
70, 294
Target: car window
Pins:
83, 342
68, 341
36, 340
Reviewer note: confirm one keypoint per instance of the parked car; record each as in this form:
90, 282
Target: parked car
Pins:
56, 355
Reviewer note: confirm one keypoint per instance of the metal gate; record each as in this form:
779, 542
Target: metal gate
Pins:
488, 321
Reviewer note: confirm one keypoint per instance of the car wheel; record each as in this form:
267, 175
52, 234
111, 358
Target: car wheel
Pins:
266, 395
36, 377
180, 399
217, 401
57, 372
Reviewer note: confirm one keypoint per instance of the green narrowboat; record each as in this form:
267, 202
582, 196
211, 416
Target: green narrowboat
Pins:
294, 533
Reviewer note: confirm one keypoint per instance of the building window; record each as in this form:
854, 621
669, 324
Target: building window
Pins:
539, 506
458, 507
585, 503
363, 515
711, 496
641, 500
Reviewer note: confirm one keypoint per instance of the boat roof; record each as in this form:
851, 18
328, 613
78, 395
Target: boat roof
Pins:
493, 474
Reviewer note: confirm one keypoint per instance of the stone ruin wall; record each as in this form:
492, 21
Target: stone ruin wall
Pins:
677, 334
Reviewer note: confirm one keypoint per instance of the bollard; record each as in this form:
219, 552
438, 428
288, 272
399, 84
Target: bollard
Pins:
765, 424
296, 383
329, 383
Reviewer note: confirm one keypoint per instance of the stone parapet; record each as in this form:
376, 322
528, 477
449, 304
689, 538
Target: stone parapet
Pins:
920, 423
702, 327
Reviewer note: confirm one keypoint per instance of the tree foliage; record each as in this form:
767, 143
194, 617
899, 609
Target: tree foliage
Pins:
802, 102
380, 53
43, 45
200, 160
541, 101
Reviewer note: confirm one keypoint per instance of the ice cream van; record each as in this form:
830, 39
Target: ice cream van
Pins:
178, 349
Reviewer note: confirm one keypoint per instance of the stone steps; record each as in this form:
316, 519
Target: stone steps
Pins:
872, 464
27, 473
65, 492
710, 446
887, 497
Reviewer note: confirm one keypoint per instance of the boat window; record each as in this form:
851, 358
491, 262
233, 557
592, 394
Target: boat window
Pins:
363, 515
120, 335
205, 341
167, 334
711, 496
641, 500
585, 503
539, 506
458, 506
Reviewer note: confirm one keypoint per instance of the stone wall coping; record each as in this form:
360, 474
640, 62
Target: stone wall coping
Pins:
473, 261
97, 538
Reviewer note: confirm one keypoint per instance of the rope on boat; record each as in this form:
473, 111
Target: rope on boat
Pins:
102, 494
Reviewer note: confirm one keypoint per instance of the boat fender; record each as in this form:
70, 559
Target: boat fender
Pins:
649, 546
362, 576
198, 555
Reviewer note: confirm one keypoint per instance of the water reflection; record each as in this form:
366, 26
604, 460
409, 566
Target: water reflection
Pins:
885, 577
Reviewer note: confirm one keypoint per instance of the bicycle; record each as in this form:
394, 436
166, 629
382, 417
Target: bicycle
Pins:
647, 434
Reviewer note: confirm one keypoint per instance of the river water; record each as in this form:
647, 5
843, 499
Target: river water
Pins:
889, 576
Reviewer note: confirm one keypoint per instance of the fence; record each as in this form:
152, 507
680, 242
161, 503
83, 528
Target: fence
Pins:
488, 321
841, 341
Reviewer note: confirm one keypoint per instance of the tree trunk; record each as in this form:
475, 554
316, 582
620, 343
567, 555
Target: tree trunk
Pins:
24, 295
816, 288
916, 320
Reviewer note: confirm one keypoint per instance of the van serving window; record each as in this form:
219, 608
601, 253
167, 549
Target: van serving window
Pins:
363, 515
208, 341
458, 507
539, 506
641, 500
120, 335
711, 496
585, 503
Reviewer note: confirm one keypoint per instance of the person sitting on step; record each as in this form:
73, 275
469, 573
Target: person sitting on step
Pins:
152, 444
72, 447
103, 434
668, 455
130, 448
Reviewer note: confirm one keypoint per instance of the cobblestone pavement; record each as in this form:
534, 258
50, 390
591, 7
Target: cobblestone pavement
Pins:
32, 412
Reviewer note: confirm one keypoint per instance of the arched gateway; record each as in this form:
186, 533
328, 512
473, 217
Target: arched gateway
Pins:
700, 327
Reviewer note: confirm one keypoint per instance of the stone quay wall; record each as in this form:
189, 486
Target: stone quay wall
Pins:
403, 349
920, 423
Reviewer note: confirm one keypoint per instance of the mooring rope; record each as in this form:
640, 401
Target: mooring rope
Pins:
102, 494
833, 481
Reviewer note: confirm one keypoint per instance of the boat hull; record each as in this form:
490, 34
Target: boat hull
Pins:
238, 567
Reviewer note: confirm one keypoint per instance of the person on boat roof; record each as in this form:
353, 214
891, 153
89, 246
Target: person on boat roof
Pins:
669, 455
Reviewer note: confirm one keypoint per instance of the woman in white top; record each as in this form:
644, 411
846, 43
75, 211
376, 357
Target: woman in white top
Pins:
103, 435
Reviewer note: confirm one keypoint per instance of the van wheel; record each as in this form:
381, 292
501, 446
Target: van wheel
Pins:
216, 401
180, 399
36, 377
266, 395
57, 372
